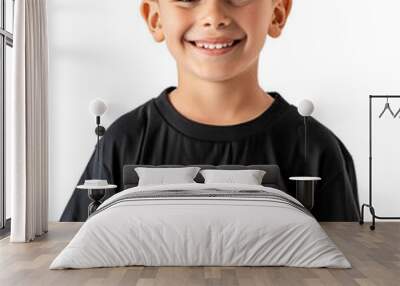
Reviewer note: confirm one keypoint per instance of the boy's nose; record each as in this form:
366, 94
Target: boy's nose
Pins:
214, 14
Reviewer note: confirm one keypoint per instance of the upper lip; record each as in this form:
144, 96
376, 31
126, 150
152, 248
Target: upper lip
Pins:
220, 40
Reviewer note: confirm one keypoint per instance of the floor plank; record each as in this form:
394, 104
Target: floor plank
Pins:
374, 255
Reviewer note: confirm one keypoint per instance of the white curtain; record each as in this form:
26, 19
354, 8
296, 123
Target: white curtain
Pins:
29, 122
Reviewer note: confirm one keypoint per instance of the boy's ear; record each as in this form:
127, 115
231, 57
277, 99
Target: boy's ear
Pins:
279, 17
150, 11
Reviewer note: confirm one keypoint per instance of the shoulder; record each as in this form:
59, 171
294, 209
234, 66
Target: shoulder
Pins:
328, 141
332, 154
131, 123
316, 130
318, 133
323, 142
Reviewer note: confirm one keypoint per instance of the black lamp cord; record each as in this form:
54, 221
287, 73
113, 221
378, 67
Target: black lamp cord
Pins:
97, 132
305, 141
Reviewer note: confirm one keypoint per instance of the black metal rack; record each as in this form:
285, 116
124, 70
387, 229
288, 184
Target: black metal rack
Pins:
369, 205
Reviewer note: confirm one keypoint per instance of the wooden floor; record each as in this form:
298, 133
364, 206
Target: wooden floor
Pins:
374, 255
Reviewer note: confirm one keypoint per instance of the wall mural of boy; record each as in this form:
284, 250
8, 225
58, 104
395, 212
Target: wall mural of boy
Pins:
218, 113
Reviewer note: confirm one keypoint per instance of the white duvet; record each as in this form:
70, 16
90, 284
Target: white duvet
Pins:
182, 231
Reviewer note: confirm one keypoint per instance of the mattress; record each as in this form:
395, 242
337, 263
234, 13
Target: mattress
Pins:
197, 224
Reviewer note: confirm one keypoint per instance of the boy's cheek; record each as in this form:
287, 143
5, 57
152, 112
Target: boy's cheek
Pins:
175, 28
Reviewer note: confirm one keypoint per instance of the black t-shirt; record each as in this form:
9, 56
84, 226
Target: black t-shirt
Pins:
156, 133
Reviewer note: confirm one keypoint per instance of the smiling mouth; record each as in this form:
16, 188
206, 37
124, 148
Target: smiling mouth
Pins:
235, 42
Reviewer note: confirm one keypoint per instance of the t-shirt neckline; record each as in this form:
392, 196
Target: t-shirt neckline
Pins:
210, 132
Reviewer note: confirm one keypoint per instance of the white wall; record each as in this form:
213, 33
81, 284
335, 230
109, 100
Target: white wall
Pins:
335, 53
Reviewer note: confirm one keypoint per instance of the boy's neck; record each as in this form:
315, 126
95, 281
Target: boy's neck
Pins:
220, 103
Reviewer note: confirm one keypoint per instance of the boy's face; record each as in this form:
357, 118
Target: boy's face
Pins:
184, 24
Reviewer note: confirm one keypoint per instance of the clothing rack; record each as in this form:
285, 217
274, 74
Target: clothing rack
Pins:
369, 205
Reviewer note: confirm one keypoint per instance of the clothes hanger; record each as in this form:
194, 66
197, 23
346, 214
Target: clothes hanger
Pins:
398, 111
387, 106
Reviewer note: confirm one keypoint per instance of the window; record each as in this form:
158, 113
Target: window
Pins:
6, 44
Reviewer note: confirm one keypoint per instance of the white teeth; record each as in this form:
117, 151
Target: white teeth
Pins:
214, 46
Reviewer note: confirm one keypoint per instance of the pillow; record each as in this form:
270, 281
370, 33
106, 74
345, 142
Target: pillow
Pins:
159, 176
251, 177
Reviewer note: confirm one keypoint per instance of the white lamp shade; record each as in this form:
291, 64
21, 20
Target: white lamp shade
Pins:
97, 107
306, 107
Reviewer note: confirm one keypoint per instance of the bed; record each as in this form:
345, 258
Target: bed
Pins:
201, 224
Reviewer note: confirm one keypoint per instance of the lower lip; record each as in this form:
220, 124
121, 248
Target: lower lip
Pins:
215, 52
